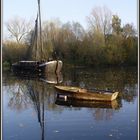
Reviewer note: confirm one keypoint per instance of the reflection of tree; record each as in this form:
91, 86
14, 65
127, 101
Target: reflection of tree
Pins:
106, 78
101, 114
21, 87
42, 97
25, 92
106, 113
130, 92
18, 100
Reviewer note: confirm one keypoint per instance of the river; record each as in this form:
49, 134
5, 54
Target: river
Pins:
31, 110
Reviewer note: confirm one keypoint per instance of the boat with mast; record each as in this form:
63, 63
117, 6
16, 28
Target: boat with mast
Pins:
37, 63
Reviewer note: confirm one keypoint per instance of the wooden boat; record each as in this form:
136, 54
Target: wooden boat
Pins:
38, 63
84, 94
54, 66
87, 104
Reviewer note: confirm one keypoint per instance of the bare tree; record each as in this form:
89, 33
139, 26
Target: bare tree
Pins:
100, 20
18, 28
78, 30
51, 30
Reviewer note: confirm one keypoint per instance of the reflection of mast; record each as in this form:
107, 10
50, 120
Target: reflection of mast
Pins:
42, 118
37, 100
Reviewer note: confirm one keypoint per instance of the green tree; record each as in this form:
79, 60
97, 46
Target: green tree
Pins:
129, 30
13, 51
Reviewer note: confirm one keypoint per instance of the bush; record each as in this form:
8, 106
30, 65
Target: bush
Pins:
13, 52
6, 65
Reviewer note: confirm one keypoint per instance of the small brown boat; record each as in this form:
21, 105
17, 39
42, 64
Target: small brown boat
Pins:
84, 94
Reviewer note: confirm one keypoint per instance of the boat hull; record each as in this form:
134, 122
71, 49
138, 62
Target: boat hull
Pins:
38, 67
51, 66
83, 94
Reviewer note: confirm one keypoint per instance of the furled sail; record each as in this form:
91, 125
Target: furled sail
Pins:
36, 51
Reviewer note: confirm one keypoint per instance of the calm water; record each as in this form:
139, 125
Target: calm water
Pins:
31, 110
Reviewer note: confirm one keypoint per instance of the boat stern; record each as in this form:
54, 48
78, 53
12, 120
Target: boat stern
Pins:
114, 96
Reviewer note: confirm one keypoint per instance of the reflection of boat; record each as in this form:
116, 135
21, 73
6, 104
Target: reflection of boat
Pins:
83, 94
51, 78
89, 104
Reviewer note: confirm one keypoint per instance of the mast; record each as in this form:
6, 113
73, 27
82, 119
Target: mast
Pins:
36, 33
39, 14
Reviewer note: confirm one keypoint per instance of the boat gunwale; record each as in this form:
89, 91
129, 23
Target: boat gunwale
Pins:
82, 90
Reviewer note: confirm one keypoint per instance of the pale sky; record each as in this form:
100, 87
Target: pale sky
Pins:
69, 10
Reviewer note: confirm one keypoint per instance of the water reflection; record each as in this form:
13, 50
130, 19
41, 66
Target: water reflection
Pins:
100, 114
18, 99
99, 109
39, 94
48, 78
119, 79
37, 98
124, 81
32, 91
88, 104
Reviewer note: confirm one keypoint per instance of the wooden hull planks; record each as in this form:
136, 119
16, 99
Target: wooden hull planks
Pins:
83, 94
